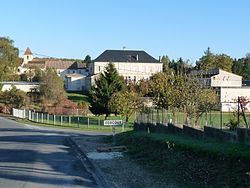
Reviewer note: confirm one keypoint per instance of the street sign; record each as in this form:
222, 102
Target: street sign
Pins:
112, 122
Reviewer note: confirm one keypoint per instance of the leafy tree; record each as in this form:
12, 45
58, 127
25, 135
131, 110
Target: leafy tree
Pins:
160, 89
124, 103
211, 61
14, 98
38, 75
242, 67
166, 64
207, 61
52, 87
180, 66
105, 86
224, 62
9, 59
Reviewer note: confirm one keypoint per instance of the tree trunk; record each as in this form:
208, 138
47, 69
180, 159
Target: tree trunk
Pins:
126, 119
106, 116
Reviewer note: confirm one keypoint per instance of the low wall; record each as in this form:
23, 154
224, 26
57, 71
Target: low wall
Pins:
192, 132
217, 134
241, 135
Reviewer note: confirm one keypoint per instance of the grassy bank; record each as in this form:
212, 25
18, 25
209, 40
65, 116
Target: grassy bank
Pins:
191, 162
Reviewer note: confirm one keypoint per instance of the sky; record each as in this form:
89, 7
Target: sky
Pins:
177, 28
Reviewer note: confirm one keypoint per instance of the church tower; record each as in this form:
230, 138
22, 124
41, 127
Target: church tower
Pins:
27, 56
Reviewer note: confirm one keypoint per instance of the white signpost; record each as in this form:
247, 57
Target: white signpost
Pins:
113, 123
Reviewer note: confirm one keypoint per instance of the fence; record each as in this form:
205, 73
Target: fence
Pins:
63, 120
240, 135
215, 118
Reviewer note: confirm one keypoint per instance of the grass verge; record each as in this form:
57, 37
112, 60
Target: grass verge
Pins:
95, 128
191, 162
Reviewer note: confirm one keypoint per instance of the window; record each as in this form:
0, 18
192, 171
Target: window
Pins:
73, 71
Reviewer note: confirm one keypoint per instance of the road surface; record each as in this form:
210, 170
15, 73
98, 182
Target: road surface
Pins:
33, 157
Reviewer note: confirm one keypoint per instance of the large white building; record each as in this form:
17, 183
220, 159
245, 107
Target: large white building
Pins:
133, 65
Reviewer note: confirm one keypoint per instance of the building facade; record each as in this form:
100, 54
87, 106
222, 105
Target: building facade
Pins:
131, 64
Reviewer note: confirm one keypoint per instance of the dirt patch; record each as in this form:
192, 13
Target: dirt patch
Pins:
122, 171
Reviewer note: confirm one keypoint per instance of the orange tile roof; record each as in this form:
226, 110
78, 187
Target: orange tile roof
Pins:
28, 52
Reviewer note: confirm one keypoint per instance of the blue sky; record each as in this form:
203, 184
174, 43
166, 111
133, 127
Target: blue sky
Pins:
177, 28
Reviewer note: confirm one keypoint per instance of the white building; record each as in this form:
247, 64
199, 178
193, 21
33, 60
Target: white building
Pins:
229, 87
131, 64
64, 69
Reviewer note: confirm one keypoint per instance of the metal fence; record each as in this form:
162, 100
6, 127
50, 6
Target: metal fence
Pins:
217, 117
63, 120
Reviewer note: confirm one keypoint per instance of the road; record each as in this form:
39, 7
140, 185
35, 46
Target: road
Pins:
33, 157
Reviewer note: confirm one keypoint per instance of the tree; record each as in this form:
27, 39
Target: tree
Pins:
166, 64
52, 87
108, 83
14, 98
211, 61
9, 59
242, 67
124, 103
223, 62
160, 89
87, 60
207, 61
38, 75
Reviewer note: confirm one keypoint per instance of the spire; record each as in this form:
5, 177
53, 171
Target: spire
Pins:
28, 52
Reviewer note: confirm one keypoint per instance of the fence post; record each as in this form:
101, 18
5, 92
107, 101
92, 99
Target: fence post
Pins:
99, 122
88, 122
54, 118
61, 119
78, 121
69, 120
37, 117
48, 118
42, 117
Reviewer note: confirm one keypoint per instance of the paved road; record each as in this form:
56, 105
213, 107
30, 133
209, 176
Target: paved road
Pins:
39, 157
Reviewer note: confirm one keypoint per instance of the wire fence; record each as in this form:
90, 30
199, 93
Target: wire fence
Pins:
66, 120
219, 117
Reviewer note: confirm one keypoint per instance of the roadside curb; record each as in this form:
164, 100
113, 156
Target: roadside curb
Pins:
97, 173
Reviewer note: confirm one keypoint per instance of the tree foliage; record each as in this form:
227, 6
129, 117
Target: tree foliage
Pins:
242, 67
9, 59
52, 87
211, 61
124, 103
105, 86
14, 98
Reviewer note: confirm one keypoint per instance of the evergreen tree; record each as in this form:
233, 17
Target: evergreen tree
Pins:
107, 84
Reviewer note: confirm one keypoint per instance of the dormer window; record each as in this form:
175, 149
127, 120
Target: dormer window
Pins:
27, 57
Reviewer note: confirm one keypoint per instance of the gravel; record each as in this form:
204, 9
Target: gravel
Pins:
121, 170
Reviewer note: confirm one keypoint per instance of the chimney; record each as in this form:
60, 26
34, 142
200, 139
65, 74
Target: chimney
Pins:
160, 58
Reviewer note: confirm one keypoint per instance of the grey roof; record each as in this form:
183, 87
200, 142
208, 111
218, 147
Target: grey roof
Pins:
126, 56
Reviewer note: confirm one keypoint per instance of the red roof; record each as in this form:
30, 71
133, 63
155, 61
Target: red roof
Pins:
28, 52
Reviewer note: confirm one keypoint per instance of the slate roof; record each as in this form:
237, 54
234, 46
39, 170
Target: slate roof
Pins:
126, 56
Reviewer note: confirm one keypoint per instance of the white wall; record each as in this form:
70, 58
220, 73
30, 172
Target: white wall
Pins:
75, 83
26, 87
229, 96
226, 79
130, 69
